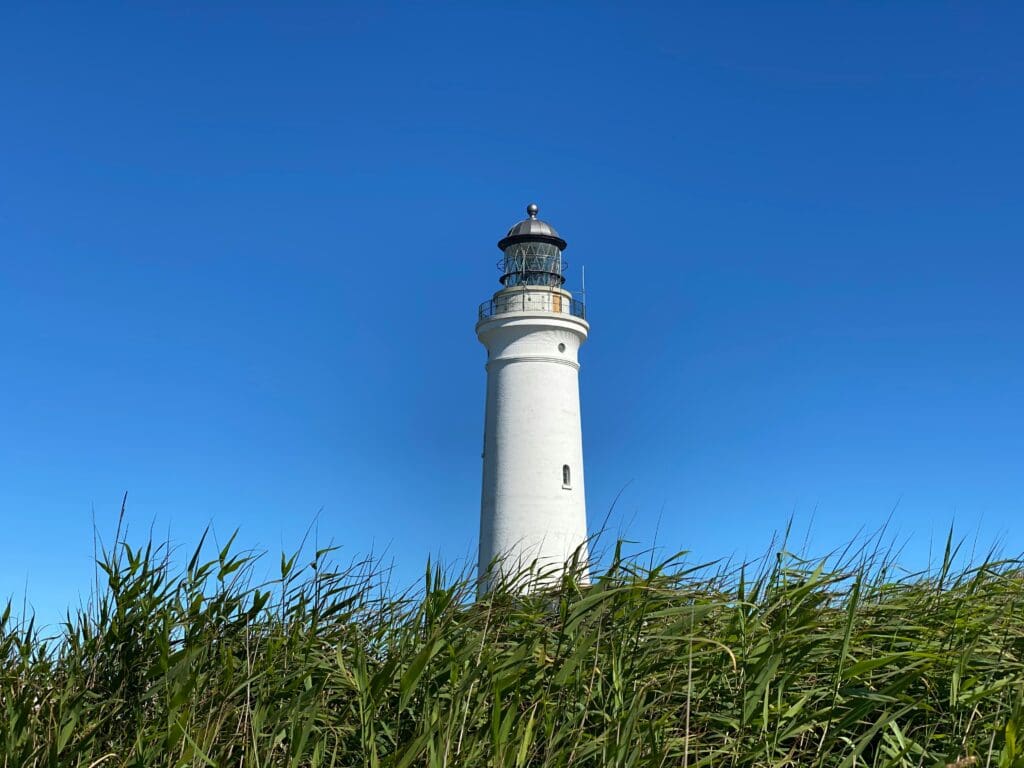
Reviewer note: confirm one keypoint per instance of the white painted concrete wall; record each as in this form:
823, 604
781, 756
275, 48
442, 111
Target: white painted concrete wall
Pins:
531, 429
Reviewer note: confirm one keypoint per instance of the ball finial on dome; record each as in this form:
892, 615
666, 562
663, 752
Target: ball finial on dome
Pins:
532, 210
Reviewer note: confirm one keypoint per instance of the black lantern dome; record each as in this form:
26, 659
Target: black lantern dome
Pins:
533, 253
532, 229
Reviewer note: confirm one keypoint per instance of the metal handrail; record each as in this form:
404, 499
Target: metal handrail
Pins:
525, 302
504, 261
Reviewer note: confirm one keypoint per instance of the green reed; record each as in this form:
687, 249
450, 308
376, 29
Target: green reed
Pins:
784, 662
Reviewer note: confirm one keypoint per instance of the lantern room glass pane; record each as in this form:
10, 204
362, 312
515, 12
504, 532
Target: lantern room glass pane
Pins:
532, 264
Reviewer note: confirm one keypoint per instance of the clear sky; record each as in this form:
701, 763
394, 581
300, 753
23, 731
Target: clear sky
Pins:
243, 245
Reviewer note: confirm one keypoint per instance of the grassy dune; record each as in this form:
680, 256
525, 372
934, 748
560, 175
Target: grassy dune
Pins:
786, 662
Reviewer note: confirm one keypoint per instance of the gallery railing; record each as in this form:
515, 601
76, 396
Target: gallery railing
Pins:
533, 301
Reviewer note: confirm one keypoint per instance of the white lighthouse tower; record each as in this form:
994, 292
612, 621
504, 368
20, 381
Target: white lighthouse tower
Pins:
532, 508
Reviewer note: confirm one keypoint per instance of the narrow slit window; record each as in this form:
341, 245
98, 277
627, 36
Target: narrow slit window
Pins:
566, 477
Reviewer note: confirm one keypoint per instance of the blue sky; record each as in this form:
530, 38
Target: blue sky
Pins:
243, 247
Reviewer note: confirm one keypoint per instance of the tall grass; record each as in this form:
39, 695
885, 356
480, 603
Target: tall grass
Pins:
786, 662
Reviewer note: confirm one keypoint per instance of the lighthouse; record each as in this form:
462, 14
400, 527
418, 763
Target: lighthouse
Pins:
532, 509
